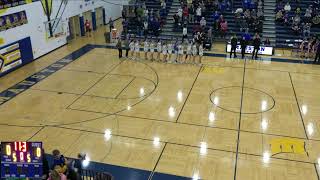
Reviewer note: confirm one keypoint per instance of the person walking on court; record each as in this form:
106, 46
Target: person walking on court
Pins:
152, 48
317, 58
88, 28
119, 47
244, 44
256, 46
200, 53
234, 42
126, 46
131, 45
111, 25
159, 50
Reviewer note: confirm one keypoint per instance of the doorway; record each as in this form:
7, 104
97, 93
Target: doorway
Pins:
99, 16
74, 26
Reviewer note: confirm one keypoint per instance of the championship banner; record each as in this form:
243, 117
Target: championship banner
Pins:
15, 55
4, 4
13, 20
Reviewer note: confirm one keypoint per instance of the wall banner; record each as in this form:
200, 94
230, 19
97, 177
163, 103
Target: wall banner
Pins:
15, 55
13, 20
4, 4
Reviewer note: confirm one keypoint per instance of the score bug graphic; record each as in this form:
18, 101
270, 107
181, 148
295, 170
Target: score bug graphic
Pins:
21, 159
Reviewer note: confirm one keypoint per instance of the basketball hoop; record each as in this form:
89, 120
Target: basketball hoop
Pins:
59, 28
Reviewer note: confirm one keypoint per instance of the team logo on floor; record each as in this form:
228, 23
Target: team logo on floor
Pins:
287, 145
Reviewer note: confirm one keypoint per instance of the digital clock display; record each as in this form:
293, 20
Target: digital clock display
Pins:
21, 159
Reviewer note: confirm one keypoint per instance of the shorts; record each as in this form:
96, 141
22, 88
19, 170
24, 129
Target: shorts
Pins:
169, 51
201, 54
194, 53
136, 50
152, 50
146, 50
164, 52
189, 52
88, 29
181, 52
131, 49
159, 50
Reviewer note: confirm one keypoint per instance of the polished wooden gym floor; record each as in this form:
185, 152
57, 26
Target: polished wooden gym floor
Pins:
226, 119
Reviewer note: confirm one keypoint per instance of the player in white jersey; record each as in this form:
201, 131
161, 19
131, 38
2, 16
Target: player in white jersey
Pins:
137, 49
170, 49
189, 52
164, 52
146, 49
131, 45
194, 52
200, 53
159, 48
180, 53
152, 47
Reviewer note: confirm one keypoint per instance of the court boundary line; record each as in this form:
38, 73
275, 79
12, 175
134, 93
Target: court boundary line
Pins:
317, 171
94, 84
194, 82
244, 113
56, 62
180, 144
158, 160
125, 87
296, 98
198, 125
239, 122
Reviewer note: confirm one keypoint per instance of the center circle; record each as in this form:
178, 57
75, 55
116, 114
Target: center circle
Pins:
238, 99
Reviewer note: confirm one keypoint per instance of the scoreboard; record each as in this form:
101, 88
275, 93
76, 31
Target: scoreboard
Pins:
21, 159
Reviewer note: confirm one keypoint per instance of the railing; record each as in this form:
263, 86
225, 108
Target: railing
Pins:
94, 175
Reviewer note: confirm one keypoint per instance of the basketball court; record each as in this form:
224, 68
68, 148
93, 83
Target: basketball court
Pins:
226, 119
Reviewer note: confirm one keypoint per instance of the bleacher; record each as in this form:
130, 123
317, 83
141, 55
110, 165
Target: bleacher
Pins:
154, 5
284, 34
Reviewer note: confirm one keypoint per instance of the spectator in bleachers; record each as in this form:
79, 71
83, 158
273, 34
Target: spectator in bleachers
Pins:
311, 47
59, 160
191, 13
296, 28
267, 42
306, 30
163, 4
216, 15
304, 48
296, 19
247, 35
224, 28
56, 175
316, 3
145, 27
287, 7
317, 56
279, 16
308, 14
260, 14
199, 13
184, 32
179, 13
185, 14
203, 23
